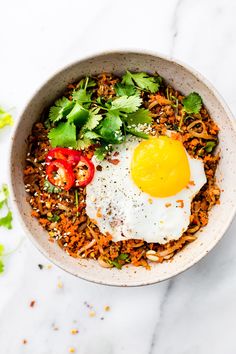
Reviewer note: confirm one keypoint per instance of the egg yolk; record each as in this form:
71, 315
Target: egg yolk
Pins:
160, 166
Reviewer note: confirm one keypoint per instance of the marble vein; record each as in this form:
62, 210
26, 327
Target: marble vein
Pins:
174, 26
155, 334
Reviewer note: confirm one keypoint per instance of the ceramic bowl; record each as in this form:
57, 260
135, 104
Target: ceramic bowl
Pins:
183, 79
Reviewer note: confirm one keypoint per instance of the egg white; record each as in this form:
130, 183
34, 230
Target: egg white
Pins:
121, 209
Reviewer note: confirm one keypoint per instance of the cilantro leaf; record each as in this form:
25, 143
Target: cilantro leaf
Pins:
126, 104
141, 116
137, 133
50, 188
82, 96
78, 115
109, 128
142, 80
6, 221
101, 152
4, 194
93, 119
127, 78
60, 109
192, 103
1, 250
1, 261
83, 143
116, 264
124, 90
5, 118
54, 218
210, 145
91, 135
123, 256
1, 266
63, 135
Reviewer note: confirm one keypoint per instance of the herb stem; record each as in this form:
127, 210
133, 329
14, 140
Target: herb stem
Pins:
181, 119
86, 82
77, 202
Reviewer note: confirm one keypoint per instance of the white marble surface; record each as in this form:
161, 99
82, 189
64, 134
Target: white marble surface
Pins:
191, 314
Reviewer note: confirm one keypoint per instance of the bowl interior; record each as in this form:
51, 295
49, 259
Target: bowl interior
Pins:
182, 79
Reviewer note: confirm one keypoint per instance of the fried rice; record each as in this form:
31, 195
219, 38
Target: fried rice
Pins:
63, 214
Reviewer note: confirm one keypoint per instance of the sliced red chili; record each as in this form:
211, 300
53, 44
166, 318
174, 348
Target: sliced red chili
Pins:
84, 172
60, 174
69, 155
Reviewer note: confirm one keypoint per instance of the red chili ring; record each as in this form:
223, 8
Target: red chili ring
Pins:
60, 174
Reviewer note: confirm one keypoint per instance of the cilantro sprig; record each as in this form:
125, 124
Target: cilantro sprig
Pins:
192, 103
210, 145
1, 258
83, 119
6, 219
5, 118
142, 80
119, 261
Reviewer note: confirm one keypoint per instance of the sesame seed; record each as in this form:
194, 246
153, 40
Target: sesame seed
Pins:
92, 314
60, 284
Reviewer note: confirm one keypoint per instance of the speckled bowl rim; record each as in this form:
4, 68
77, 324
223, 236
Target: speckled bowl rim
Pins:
188, 68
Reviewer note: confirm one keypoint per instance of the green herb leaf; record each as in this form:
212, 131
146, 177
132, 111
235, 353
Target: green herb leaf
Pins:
93, 119
54, 218
142, 80
91, 135
79, 115
210, 145
1, 266
1, 261
2, 248
137, 133
50, 188
127, 79
124, 90
83, 97
6, 221
83, 143
101, 152
5, 118
141, 116
63, 135
126, 104
60, 109
4, 194
109, 129
116, 264
123, 256
192, 103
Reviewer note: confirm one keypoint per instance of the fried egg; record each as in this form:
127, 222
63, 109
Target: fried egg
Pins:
145, 191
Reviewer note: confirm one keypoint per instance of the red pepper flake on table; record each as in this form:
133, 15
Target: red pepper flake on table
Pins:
32, 303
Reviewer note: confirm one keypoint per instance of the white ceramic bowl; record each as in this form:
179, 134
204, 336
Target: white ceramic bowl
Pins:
183, 79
